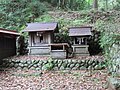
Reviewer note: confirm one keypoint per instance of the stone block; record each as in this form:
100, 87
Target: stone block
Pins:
39, 51
58, 54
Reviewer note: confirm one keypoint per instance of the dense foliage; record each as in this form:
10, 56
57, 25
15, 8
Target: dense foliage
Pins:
84, 4
110, 42
14, 14
22, 45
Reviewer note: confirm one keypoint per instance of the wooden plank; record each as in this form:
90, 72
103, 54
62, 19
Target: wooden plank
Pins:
59, 44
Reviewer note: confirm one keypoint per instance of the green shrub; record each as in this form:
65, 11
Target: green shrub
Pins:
22, 45
49, 65
110, 42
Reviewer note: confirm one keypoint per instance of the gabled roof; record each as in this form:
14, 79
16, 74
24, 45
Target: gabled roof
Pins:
35, 27
80, 31
11, 32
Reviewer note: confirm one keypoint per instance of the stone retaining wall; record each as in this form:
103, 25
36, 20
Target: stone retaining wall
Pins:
57, 64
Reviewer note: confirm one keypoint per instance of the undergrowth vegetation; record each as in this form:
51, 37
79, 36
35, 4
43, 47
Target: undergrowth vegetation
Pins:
110, 42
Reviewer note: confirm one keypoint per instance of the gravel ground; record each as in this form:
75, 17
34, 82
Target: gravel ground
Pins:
12, 79
36, 57
29, 57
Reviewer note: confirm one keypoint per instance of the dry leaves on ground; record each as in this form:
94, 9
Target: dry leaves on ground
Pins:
52, 80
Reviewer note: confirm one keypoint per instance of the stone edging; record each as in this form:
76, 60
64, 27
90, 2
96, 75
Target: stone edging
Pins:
57, 64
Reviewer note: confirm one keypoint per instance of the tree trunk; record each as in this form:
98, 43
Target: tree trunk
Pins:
71, 4
95, 4
106, 5
59, 4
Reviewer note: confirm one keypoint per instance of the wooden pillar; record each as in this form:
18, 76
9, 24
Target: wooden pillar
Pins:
63, 47
74, 41
49, 38
85, 41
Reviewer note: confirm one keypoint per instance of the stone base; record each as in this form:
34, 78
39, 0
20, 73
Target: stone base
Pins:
80, 50
39, 50
81, 54
58, 54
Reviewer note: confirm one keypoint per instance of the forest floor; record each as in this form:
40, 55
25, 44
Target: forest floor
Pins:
12, 79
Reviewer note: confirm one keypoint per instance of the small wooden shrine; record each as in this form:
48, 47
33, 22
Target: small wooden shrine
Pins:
80, 36
41, 40
40, 36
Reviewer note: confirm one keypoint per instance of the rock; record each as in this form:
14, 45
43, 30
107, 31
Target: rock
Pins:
77, 65
56, 68
22, 61
59, 64
29, 62
79, 61
21, 65
60, 61
17, 61
82, 64
68, 65
61, 68
19, 68
25, 68
97, 67
55, 61
32, 68
36, 61
64, 65
25, 65
31, 65
93, 64
90, 62
35, 65
74, 68
69, 60
40, 63
45, 62
16, 65
11, 64
12, 61
44, 68
73, 61
96, 62
82, 68
72, 65
38, 68
86, 65
68, 69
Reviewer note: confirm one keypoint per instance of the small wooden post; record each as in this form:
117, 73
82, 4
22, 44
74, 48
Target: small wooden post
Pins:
63, 47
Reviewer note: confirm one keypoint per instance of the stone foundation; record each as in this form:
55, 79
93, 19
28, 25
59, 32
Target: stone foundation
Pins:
45, 50
80, 50
58, 54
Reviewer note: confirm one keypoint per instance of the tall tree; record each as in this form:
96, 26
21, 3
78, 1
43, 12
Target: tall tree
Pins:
95, 4
106, 4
